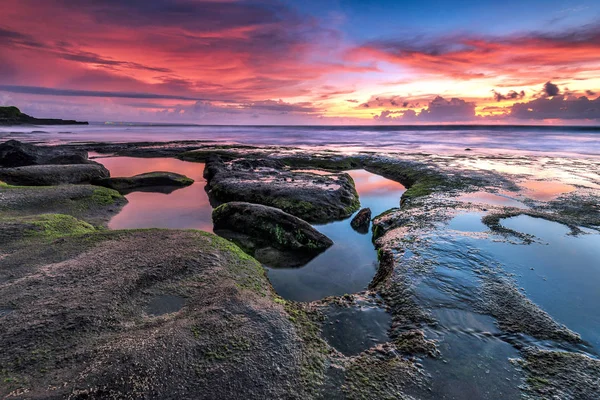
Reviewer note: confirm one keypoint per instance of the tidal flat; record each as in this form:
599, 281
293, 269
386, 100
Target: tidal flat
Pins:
477, 277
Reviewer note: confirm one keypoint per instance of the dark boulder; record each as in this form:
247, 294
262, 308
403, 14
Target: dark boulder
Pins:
271, 235
362, 221
311, 197
18, 154
48, 175
151, 181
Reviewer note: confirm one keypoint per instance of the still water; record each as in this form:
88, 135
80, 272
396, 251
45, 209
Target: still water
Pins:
349, 265
186, 208
346, 267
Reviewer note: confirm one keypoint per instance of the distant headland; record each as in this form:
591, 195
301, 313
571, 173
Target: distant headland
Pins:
13, 116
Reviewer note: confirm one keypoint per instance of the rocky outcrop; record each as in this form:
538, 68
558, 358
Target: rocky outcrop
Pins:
271, 235
17, 154
146, 182
311, 197
48, 175
144, 314
13, 116
362, 221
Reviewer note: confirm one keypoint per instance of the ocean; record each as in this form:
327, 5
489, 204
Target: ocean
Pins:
543, 140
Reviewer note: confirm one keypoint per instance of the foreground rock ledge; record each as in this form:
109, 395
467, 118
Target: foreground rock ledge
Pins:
271, 235
75, 321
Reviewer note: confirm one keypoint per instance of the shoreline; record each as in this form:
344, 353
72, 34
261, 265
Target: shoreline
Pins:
429, 205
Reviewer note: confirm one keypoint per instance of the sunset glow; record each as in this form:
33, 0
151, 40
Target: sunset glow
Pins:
279, 62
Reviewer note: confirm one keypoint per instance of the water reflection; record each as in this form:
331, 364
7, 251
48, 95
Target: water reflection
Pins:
186, 208
491, 199
350, 264
545, 190
561, 274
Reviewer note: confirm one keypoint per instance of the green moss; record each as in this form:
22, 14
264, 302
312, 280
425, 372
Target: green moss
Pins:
336, 163
247, 273
52, 226
105, 196
315, 350
185, 181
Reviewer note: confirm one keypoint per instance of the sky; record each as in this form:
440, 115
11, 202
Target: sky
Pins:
263, 62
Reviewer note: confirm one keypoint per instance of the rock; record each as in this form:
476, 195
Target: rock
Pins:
311, 197
48, 175
385, 269
150, 180
17, 154
271, 235
76, 321
13, 116
92, 204
362, 221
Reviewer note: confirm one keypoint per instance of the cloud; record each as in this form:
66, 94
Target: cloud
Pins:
468, 56
550, 89
242, 50
90, 93
441, 110
511, 95
557, 107
438, 110
590, 93
396, 102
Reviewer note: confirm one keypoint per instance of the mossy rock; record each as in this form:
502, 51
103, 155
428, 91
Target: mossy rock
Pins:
150, 181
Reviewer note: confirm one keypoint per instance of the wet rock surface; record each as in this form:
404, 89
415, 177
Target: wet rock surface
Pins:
48, 175
274, 237
17, 154
160, 181
308, 196
362, 221
560, 375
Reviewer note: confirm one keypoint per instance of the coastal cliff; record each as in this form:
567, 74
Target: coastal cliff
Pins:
13, 116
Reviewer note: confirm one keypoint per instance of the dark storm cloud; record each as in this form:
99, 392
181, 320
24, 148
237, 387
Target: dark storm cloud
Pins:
511, 95
550, 89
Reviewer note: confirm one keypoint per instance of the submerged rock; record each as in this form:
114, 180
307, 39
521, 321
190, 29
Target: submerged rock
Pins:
311, 197
48, 175
146, 181
362, 221
17, 154
560, 375
269, 233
